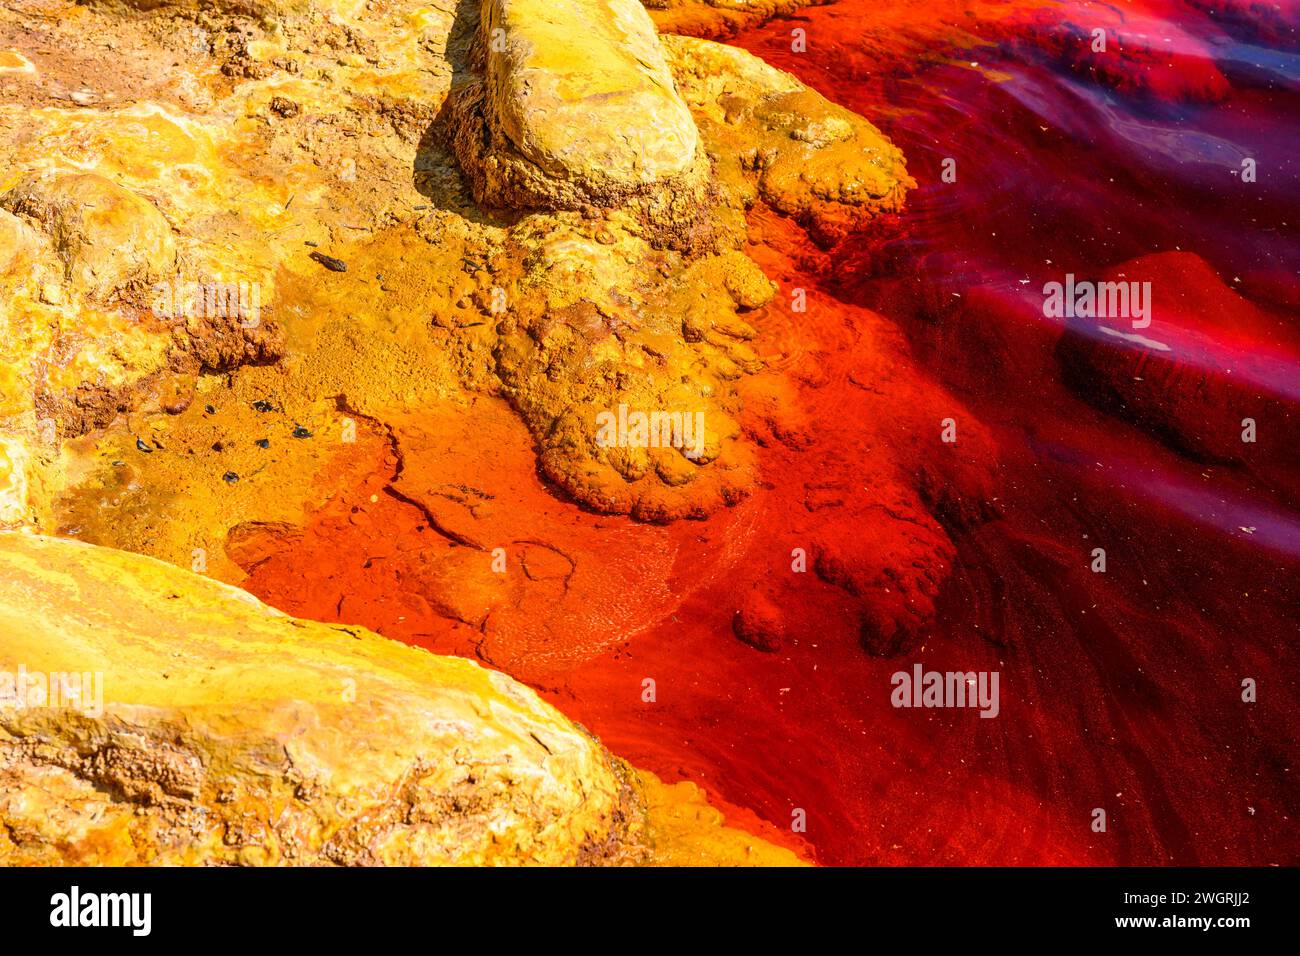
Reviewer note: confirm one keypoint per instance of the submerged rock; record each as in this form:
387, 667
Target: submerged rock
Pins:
1207, 371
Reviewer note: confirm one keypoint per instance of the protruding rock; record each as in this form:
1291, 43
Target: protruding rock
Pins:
582, 91
577, 106
150, 715
759, 622
746, 283
224, 732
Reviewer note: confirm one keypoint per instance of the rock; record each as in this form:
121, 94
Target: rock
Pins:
746, 282
576, 107
894, 567
1144, 55
773, 137
106, 236
581, 89
991, 332
718, 19
595, 340
13, 481
230, 733
1272, 25
252, 542
283, 107
209, 729
18, 241
688, 831
598, 326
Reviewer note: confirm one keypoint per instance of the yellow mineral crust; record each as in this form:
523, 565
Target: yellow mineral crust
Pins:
815, 161
13, 480
104, 236
151, 716
384, 137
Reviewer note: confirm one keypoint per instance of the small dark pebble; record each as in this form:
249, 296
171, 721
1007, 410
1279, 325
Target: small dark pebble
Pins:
264, 443
209, 409
329, 262
217, 446
301, 432
230, 477
141, 446
262, 405
312, 244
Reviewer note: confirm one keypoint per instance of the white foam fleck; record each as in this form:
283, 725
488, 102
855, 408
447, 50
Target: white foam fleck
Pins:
1135, 338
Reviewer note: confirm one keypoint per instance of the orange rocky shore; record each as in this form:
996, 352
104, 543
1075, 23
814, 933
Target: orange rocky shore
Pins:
247, 248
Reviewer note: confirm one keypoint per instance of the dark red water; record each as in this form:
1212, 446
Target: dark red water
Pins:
1120, 690
1070, 161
